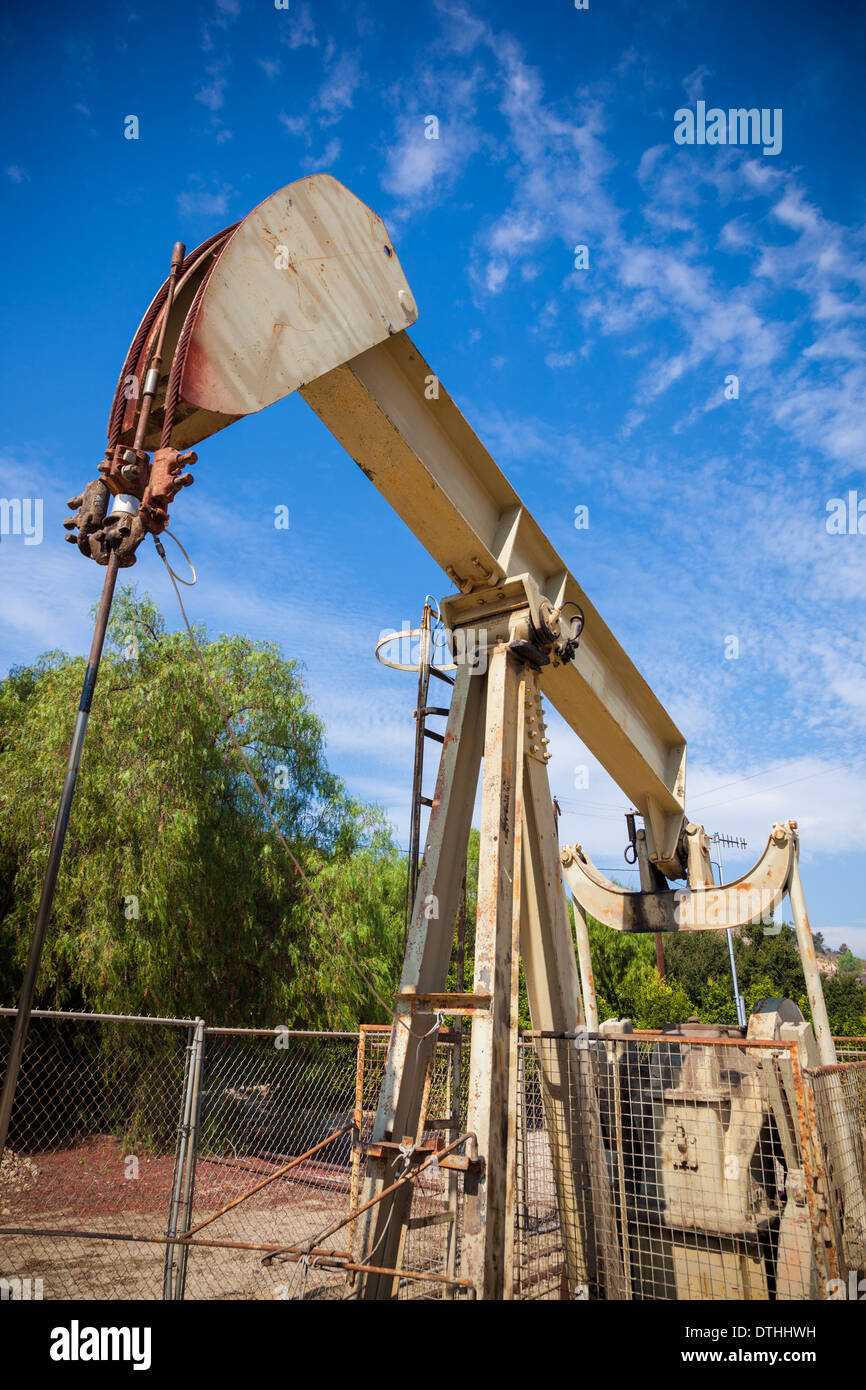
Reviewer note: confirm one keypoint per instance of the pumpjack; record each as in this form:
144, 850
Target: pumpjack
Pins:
307, 294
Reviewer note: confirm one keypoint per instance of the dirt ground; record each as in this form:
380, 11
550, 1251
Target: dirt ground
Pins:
94, 1187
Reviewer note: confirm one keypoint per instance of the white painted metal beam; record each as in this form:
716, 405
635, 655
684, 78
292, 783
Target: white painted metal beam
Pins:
308, 295
432, 468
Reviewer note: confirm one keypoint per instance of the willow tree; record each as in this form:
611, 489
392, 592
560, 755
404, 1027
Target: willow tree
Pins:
175, 895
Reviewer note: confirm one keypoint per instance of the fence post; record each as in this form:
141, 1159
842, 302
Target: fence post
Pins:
185, 1215
174, 1271
358, 1137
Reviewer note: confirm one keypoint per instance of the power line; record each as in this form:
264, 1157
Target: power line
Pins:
737, 781
808, 777
823, 772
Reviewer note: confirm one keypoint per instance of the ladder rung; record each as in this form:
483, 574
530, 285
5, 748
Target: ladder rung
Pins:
425, 801
441, 675
431, 733
441, 1122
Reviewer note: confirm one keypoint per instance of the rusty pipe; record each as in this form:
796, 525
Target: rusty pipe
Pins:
55, 853
469, 1139
265, 1181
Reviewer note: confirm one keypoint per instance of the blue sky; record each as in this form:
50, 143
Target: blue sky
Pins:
602, 387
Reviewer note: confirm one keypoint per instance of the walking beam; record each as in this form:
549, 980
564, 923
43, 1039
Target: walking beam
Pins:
307, 294
431, 467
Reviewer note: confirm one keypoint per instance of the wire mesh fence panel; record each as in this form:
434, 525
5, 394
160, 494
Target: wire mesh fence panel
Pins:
268, 1099
433, 1238
539, 1263
127, 1132
677, 1167
850, 1049
91, 1148
840, 1104
431, 1243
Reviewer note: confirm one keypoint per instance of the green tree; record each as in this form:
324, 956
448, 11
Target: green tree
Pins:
846, 1005
175, 895
694, 958
717, 1002
613, 956
651, 1002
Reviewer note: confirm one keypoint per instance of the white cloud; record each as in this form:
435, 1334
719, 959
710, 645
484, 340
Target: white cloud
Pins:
694, 83
330, 104
643, 285
201, 202
828, 415
295, 125
336, 93
313, 164
226, 12
46, 590
212, 94
301, 29
419, 170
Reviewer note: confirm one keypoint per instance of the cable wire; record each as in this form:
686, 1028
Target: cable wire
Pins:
188, 582
118, 404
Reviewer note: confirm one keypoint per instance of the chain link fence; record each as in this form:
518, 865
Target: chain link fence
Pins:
688, 1168
539, 1261
432, 1240
840, 1106
269, 1096
648, 1166
851, 1049
92, 1148
129, 1131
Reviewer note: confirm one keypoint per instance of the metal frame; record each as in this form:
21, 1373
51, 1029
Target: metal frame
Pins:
307, 294
496, 716
329, 320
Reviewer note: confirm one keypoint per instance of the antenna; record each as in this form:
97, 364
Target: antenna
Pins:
732, 842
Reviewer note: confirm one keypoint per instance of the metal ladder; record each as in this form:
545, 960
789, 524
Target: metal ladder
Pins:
423, 711
449, 1123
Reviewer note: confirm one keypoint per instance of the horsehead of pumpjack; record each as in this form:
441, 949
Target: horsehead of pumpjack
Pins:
321, 284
